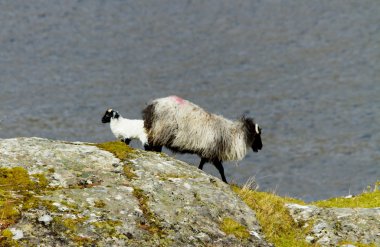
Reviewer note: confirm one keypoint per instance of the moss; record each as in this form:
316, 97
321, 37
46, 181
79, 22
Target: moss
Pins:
7, 233
368, 199
71, 206
99, 203
276, 222
83, 241
16, 178
9, 212
167, 176
119, 149
17, 191
230, 226
125, 153
20, 192
42, 182
69, 226
128, 172
108, 228
153, 225
6, 239
197, 196
122, 152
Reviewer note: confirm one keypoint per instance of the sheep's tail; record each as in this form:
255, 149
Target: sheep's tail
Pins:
148, 117
252, 133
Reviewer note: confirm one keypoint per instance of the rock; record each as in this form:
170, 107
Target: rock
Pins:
82, 195
46, 219
17, 234
334, 225
147, 199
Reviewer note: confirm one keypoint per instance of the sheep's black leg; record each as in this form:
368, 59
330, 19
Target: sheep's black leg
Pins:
219, 166
126, 141
147, 147
203, 161
153, 148
157, 149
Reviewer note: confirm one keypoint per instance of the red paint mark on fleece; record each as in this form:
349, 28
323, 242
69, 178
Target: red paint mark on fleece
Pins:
177, 99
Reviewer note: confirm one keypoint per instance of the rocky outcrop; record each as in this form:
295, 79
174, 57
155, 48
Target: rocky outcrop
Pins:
55, 193
92, 197
331, 226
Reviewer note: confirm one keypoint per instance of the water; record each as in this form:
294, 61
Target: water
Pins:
307, 71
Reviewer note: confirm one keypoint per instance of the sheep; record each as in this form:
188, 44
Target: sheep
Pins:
126, 129
184, 127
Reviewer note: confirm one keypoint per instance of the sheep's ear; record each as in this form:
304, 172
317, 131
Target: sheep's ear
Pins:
115, 114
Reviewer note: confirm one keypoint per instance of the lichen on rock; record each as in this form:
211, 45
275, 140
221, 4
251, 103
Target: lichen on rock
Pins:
333, 226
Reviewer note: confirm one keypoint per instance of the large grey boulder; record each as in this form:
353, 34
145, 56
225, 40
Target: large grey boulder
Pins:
93, 198
148, 199
331, 226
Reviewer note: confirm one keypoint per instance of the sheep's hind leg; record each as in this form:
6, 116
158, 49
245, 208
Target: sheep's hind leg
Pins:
203, 161
219, 166
157, 149
147, 147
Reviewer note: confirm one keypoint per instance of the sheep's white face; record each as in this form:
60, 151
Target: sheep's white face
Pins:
108, 115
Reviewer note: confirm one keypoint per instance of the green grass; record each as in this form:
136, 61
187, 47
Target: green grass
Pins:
230, 226
368, 199
278, 226
357, 244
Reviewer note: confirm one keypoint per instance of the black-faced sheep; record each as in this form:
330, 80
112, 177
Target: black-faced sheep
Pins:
126, 129
184, 127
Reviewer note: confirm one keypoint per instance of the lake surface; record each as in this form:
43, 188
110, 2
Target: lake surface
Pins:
307, 71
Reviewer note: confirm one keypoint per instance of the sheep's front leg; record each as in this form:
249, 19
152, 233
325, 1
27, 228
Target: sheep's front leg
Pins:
126, 141
219, 166
147, 147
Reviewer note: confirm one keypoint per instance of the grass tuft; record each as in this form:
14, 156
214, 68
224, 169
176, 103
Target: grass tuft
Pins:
369, 199
230, 226
277, 224
356, 244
